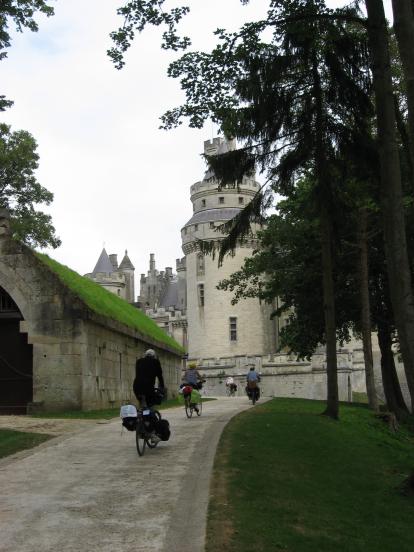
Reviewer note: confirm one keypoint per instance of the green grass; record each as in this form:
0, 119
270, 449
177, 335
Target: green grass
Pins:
287, 478
359, 397
108, 304
15, 441
104, 414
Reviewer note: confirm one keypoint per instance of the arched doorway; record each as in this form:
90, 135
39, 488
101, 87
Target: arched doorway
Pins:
16, 359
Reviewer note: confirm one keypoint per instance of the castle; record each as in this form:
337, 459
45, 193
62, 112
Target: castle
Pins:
224, 338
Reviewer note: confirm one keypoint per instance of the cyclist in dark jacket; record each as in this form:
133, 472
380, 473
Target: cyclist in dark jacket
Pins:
147, 370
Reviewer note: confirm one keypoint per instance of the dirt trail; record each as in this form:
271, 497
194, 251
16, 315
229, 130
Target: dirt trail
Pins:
88, 490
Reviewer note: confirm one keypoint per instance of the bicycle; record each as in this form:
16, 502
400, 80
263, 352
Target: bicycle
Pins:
231, 390
190, 407
145, 429
192, 401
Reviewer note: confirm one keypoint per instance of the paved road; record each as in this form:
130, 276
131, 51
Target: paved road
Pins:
89, 491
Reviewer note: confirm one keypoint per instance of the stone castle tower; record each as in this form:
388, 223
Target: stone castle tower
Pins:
153, 286
114, 278
216, 328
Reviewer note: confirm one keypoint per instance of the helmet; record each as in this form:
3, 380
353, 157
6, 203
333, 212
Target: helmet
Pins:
149, 352
192, 365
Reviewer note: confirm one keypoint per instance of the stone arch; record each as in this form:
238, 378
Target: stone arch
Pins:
17, 290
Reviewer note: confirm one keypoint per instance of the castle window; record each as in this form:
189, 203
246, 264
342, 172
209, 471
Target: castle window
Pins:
119, 292
203, 203
196, 227
211, 224
200, 289
233, 328
221, 200
200, 264
241, 200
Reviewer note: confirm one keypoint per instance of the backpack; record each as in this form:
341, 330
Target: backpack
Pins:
162, 429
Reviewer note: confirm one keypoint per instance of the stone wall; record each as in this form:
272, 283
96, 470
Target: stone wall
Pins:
297, 380
81, 360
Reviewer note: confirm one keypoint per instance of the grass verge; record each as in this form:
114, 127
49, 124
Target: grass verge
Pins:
104, 414
14, 441
287, 478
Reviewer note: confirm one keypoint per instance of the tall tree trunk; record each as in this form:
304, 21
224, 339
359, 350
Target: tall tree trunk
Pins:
403, 11
324, 200
392, 389
405, 140
365, 308
332, 405
398, 266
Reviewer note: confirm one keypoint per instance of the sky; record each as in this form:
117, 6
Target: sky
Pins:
118, 181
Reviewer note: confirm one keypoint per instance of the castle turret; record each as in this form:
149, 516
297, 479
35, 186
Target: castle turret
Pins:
128, 269
216, 327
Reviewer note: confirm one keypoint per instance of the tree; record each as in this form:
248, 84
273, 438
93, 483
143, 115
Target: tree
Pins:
396, 250
285, 99
21, 12
20, 192
403, 11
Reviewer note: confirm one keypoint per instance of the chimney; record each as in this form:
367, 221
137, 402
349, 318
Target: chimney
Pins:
152, 262
114, 260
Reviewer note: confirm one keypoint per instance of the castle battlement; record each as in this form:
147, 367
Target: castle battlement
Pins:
180, 264
218, 145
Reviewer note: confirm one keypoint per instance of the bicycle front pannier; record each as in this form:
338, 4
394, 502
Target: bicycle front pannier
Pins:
162, 429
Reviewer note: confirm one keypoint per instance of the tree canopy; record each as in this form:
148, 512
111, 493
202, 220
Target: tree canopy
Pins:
22, 14
20, 192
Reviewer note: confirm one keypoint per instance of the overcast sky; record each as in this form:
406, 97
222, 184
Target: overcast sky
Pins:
117, 179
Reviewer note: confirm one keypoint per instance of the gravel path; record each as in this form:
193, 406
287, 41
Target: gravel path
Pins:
88, 490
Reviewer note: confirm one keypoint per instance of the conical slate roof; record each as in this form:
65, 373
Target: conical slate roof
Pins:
126, 263
103, 264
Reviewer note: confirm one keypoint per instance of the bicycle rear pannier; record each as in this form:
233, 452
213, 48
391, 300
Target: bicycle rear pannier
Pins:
162, 429
129, 416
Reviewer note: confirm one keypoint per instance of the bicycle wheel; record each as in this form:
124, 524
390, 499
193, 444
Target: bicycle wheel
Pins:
254, 396
140, 438
199, 408
188, 408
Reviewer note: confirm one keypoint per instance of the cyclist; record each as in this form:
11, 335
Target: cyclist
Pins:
192, 376
252, 379
147, 370
230, 385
